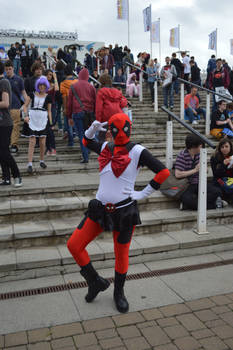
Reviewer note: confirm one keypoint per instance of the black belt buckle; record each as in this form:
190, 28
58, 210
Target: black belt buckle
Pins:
110, 207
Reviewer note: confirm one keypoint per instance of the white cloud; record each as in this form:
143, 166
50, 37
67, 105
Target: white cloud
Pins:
96, 21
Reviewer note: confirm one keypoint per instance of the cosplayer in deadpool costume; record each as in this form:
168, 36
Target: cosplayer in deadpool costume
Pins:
115, 207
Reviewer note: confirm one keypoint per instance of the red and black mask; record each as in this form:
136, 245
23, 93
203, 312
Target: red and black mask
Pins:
120, 127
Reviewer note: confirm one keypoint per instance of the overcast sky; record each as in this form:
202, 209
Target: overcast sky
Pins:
95, 20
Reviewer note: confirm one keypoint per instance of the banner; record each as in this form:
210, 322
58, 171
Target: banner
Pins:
122, 9
231, 46
213, 40
155, 31
147, 18
174, 37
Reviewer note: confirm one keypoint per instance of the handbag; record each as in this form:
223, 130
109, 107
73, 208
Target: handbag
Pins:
173, 187
226, 184
88, 117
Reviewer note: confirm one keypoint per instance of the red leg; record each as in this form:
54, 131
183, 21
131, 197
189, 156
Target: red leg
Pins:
121, 253
81, 238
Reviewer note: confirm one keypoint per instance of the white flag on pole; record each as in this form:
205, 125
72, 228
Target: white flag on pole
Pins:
147, 18
213, 40
231, 46
155, 31
174, 37
122, 9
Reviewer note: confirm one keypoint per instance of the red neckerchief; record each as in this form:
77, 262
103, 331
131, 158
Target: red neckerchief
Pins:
119, 161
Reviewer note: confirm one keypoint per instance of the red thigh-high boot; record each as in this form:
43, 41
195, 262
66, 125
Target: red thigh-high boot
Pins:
77, 243
121, 267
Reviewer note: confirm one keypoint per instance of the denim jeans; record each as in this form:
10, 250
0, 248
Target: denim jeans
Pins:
69, 130
176, 86
16, 63
168, 91
192, 116
78, 125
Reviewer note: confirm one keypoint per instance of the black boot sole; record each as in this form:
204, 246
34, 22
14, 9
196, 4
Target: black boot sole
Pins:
121, 308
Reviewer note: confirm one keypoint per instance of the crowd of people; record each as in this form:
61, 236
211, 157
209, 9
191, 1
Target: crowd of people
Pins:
48, 93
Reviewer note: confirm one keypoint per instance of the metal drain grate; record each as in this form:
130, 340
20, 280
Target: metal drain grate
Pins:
136, 276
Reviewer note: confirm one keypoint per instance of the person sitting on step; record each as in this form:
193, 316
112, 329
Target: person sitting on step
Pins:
132, 85
221, 124
222, 167
192, 106
188, 165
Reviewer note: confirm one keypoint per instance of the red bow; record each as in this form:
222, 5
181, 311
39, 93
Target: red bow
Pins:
119, 161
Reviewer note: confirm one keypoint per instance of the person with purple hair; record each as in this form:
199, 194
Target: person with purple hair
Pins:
37, 119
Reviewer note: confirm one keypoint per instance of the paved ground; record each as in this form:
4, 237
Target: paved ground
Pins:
205, 323
185, 311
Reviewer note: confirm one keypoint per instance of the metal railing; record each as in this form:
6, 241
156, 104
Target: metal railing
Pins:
207, 119
202, 186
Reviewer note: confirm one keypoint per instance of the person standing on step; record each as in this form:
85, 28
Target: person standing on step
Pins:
168, 74
115, 207
187, 69
37, 119
109, 101
152, 77
53, 91
18, 95
80, 100
6, 125
64, 90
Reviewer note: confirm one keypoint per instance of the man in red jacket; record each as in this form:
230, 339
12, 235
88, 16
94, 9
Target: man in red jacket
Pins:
75, 112
109, 100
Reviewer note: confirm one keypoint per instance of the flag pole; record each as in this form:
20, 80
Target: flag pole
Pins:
159, 43
150, 33
128, 28
179, 35
216, 42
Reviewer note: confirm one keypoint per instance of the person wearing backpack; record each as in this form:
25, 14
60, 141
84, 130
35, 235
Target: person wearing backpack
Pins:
80, 100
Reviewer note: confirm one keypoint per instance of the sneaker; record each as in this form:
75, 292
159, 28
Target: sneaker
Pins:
18, 182
195, 122
48, 153
43, 165
171, 108
14, 149
224, 203
218, 203
60, 132
5, 183
53, 152
181, 206
29, 169
84, 161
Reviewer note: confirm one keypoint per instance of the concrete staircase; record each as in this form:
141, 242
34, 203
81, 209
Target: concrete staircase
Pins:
37, 219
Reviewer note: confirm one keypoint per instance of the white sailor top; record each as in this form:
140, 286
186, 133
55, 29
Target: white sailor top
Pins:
112, 185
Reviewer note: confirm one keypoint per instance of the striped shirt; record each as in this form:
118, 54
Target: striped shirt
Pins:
185, 162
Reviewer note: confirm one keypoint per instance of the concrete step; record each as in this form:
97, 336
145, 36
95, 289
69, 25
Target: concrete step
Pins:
42, 232
160, 251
